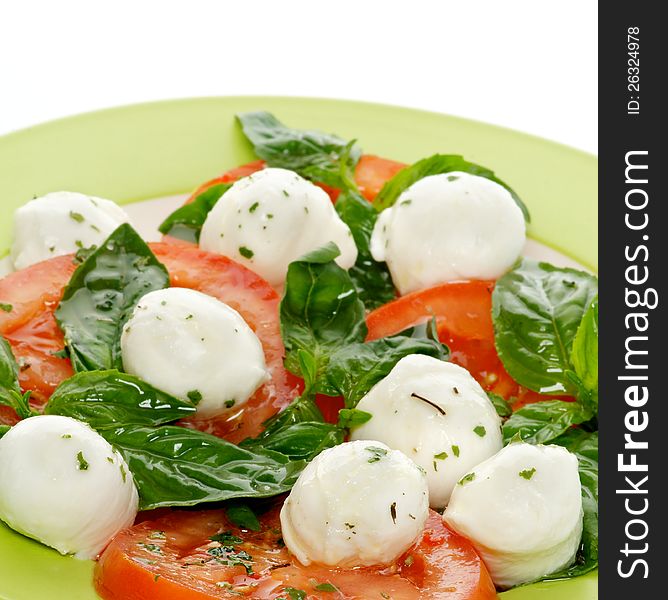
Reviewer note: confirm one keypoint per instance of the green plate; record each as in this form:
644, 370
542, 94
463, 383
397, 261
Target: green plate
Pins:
152, 150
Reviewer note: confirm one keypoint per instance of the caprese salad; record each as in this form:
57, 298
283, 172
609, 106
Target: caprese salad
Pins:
335, 377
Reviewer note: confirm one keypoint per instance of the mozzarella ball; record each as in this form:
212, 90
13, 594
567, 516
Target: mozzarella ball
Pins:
194, 346
64, 485
449, 227
356, 504
62, 223
522, 510
437, 415
271, 218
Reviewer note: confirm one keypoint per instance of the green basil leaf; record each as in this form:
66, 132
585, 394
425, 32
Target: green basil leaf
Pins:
585, 350
109, 399
319, 312
242, 516
100, 296
349, 418
537, 309
315, 155
353, 370
4, 429
503, 408
299, 441
542, 422
585, 446
436, 165
10, 390
175, 466
186, 221
372, 279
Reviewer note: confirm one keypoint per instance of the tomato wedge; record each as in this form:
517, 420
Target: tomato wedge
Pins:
173, 558
463, 312
32, 331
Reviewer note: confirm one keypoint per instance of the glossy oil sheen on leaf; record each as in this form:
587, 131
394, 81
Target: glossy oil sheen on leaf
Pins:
537, 309
315, 155
186, 221
320, 310
101, 295
302, 440
371, 278
175, 466
109, 399
542, 422
436, 165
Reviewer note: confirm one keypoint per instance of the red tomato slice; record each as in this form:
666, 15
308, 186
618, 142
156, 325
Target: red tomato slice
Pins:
34, 335
372, 172
463, 311
31, 329
171, 558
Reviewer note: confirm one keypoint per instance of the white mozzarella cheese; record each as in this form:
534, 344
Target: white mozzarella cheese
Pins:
449, 227
194, 346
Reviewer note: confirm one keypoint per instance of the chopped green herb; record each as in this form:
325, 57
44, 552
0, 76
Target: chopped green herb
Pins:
152, 548
480, 430
124, 475
110, 460
227, 538
78, 217
6, 307
466, 479
452, 178
393, 512
528, 473
384, 595
226, 556
78, 244
295, 594
190, 316
270, 216
194, 396
157, 535
349, 525
246, 252
326, 587
82, 462
253, 207
405, 202
441, 456
377, 453
230, 403
285, 193
66, 436
353, 417
94, 227
455, 450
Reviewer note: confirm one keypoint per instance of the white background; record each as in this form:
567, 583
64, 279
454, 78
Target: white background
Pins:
529, 65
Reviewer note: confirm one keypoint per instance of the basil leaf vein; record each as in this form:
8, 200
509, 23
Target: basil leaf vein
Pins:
109, 399
537, 309
315, 155
100, 296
